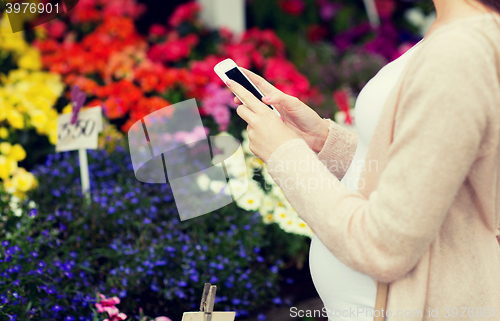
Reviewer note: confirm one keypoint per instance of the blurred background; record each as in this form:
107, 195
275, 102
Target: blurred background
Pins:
125, 255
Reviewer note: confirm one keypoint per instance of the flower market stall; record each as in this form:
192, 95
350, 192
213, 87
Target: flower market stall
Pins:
125, 255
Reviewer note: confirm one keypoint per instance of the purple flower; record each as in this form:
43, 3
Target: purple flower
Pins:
56, 308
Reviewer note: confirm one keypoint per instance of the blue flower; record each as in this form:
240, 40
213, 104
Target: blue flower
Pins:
111, 210
261, 317
182, 283
69, 318
277, 300
180, 294
56, 308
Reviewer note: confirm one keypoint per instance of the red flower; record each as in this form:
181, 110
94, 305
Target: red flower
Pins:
173, 49
184, 12
341, 98
146, 106
316, 33
204, 70
119, 97
293, 7
385, 8
157, 30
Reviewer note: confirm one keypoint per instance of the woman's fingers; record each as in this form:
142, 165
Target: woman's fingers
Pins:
250, 100
245, 113
264, 86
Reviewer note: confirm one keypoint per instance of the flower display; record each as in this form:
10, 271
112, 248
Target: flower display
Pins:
27, 99
261, 193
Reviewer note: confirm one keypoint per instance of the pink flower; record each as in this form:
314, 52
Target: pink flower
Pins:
162, 319
217, 103
56, 28
109, 301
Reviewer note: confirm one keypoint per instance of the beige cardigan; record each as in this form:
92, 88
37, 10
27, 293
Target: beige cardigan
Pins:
426, 217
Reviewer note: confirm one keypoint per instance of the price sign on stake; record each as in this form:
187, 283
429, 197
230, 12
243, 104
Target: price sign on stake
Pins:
81, 135
207, 312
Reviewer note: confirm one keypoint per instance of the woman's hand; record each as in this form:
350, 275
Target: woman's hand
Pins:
297, 116
266, 131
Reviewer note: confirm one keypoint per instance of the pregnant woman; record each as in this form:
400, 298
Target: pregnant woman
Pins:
406, 212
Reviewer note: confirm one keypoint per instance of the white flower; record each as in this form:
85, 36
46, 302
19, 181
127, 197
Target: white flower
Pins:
268, 218
219, 187
250, 201
203, 181
238, 187
255, 162
268, 204
280, 214
18, 212
288, 225
415, 16
31, 204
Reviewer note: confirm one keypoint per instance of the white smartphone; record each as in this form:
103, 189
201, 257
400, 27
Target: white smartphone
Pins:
228, 69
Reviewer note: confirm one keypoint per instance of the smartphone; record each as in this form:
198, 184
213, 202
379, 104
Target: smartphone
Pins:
228, 69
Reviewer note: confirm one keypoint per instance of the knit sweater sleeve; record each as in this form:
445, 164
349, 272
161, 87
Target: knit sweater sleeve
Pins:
440, 127
339, 148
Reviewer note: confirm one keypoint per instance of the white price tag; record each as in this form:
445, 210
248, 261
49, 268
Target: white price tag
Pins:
83, 134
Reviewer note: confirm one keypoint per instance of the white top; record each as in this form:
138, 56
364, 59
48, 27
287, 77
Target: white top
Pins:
347, 294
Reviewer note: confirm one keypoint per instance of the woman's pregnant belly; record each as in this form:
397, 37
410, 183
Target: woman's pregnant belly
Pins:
346, 293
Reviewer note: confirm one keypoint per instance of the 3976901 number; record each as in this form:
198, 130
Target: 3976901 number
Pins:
476, 312
25, 7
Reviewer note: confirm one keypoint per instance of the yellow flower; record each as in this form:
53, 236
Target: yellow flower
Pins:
7, 166
23, 180
7, 185
16, 119
5, 148
30, 59
3, 110
17, 152
53, 137
4, 133
67, 109
38, 118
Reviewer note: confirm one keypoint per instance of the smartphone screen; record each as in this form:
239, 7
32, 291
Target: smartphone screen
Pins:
236, 75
